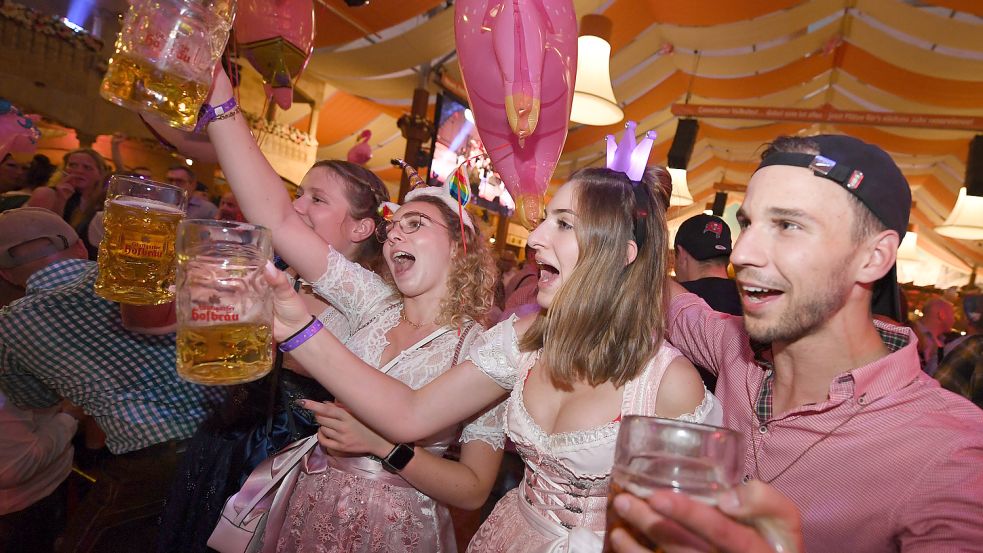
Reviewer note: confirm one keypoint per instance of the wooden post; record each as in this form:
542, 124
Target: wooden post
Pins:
416, 129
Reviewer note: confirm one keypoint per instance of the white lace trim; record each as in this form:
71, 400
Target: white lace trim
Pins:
489, 427
699, 415
496, 353
364, 300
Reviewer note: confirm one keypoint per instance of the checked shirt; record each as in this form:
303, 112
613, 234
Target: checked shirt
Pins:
63, 341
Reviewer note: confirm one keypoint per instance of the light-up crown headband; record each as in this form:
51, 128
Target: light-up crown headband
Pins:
442, 193
628, 157
631, 159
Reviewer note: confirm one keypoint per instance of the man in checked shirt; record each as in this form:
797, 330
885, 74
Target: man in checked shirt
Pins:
840, 423
62, 341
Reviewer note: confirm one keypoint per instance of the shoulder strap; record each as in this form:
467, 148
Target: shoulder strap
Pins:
465, 332
422, 342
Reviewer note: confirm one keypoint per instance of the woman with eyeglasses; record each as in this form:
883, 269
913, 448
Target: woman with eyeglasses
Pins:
366, 493
594, 353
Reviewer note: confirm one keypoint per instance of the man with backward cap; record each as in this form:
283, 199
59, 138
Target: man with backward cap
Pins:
840, 424
62, 341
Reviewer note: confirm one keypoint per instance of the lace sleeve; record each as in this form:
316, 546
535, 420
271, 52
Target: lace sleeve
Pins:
496, 353
708, 412
488, 427
354, 290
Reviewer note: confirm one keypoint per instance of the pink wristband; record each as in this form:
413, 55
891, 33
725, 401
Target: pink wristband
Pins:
301, 335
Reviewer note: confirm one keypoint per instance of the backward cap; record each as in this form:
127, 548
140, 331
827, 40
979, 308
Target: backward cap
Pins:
882, 188
26, 224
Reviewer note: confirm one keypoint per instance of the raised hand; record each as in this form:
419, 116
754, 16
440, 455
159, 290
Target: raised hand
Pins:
289, 311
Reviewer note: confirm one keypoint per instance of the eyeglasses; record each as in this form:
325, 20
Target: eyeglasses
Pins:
408, 224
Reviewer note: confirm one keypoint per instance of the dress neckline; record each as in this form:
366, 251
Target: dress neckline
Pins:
548, 438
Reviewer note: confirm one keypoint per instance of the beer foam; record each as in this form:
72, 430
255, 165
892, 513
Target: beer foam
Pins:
146, 204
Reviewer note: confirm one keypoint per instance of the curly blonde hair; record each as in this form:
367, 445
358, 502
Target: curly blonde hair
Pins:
472, 277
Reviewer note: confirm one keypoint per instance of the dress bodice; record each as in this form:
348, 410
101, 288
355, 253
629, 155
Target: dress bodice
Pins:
568, 473
371, 308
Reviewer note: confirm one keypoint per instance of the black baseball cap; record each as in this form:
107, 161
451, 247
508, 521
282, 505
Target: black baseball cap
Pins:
704, 236
872, 176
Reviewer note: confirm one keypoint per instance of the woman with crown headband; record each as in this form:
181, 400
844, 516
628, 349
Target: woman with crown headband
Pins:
593, 354
363, 492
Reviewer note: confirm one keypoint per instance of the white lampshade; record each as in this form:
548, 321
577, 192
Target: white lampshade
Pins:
965, 222
680, 189
593, 96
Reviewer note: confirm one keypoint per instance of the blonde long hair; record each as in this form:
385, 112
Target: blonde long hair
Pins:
607, 320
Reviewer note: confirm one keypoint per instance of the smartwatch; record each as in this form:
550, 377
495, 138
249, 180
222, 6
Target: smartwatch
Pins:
398, 458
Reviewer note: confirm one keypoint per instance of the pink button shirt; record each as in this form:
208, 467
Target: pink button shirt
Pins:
904, 474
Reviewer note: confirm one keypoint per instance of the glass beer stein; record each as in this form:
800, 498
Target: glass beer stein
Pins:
136, 254
165, 55
655, 453
224, 305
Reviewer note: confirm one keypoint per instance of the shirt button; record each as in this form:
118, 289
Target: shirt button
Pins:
763, 429
862, 400
747, 478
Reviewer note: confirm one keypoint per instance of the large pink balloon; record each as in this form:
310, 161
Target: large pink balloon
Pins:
18, 132
277, 37
521, 104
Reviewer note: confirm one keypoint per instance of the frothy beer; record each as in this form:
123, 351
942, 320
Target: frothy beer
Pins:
136, 256
224, 353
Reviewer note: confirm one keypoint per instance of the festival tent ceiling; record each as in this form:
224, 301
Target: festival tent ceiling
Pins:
908, 56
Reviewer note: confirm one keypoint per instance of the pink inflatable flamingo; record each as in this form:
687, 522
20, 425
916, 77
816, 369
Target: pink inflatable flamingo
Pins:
277, 37
521, 105
361, 152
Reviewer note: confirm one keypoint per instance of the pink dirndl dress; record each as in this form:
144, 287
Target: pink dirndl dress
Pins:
351, 504
560, 504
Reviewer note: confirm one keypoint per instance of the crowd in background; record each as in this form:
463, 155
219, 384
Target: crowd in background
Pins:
96, 424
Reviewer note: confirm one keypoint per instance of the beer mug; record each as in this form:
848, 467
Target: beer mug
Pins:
224, 305
653, 453
165, 55
136, 254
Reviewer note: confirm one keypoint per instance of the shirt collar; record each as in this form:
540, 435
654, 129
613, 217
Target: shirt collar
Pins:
893, 371
878, 378
55, 274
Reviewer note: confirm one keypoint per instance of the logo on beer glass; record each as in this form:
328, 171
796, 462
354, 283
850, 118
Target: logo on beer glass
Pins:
164, 57
224, 306
136, 254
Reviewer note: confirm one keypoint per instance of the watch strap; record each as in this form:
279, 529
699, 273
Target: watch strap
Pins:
399, 457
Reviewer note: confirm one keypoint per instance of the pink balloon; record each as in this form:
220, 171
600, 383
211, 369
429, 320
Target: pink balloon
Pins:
18, 132
277, 37
521, 104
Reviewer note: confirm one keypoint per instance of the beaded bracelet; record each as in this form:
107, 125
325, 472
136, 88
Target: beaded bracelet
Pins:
208, 113
301, 336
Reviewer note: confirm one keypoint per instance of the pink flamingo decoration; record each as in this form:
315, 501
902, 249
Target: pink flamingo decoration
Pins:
361, 152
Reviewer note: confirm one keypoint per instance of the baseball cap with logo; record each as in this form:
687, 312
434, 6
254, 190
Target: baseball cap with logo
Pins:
704, 236
27, 224
870, 175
